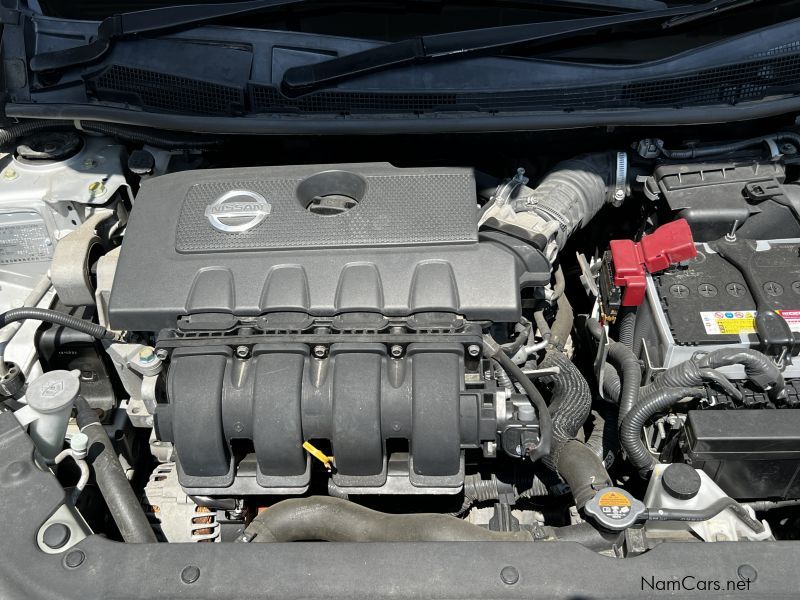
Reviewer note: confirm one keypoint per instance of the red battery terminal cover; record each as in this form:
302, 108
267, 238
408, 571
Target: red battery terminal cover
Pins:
668, 245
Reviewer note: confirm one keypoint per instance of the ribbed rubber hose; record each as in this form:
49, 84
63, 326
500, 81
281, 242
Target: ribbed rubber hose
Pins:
56, 318
630, 432
612, 384
134, 134
117, 492
604, 439
758, 367
630, 374
626, 321
485, 490
630, 371
572, 193
561, 329
337, 520
570, 406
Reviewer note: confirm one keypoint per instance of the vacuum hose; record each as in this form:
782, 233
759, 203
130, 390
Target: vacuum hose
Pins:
122, 502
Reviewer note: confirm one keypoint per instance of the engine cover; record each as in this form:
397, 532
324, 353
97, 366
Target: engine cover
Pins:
341, 304
243, 242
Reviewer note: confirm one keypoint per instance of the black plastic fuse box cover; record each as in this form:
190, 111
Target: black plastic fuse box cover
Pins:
750, 454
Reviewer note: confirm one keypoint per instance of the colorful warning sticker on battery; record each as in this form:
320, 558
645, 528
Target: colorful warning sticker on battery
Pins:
614, 505
736, 322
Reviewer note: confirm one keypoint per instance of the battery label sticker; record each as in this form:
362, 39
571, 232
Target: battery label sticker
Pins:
736, 322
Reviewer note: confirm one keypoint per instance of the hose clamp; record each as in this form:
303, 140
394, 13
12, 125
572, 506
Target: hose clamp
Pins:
620, 179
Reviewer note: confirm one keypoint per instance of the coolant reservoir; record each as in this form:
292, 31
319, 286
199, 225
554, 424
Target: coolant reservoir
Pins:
679, 486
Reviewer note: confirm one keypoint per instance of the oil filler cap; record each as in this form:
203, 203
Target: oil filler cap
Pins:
681, 481
614, 509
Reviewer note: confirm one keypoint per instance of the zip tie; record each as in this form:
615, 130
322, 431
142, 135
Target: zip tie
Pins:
319, 455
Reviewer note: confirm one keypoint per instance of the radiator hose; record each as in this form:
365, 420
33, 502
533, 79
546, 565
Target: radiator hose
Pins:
336, 520
578, 464
117, 492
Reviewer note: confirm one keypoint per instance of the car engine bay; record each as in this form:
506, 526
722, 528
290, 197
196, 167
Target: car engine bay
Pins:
591, 345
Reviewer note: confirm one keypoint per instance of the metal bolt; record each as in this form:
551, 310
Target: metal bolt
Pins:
320, 351
97, 189
737, 290
74, 559
10, 174
242, 351
789, 149
509, 575
706, 290
162, 353
796, 287
474, 350
619, 195
773, 288
396, 351
679, 290
146, 355
190, 574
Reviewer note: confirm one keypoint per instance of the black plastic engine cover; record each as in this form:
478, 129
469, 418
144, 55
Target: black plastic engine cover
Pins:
247, 242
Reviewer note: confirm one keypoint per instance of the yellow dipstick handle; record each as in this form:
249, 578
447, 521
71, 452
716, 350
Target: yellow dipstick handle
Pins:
319, 455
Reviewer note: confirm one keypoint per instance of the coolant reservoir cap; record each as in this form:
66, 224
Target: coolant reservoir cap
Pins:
614, 509
681, 481
53, 391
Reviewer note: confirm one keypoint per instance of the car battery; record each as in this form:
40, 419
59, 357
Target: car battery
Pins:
705, 304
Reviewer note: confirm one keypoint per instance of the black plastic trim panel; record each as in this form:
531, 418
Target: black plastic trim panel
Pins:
372, 125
